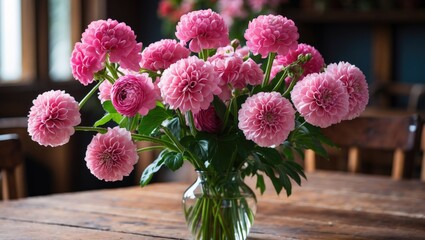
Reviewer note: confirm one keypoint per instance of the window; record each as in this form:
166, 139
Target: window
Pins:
10, 40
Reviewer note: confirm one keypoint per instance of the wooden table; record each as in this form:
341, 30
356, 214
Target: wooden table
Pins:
327, 206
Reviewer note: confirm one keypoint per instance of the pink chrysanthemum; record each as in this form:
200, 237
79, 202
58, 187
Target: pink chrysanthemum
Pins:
321, 99
227, 67
132, 94
85, 63
189, 85
270, 33
355, 82
117, 40
105, 91
204, 29
112, 155
267, 118
160, 55
208, 121
52, 118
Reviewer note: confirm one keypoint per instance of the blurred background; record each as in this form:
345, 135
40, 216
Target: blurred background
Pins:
384, 38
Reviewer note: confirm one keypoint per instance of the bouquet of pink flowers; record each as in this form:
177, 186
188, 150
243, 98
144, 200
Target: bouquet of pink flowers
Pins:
205, 99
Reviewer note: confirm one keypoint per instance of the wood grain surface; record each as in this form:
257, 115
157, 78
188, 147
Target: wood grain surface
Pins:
327, 206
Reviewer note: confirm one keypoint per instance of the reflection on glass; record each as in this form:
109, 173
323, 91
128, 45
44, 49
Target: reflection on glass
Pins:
59, 39
10, 40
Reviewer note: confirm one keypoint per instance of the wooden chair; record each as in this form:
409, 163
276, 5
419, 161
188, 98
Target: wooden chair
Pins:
10, 159
398, 133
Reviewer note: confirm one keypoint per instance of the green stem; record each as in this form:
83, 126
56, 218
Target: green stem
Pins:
90, 129
268, 69
288, 90
146, 149
281, 80
192, 124
111, 69
88, 96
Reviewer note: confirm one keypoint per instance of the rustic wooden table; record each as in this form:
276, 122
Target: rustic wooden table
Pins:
327, 206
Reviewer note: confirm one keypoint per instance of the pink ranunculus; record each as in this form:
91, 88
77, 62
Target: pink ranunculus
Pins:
132, 94
112, 155
208, 121
314, 65
160, 55
85, 63
271, 33
105, 91
266, 118
355, 82
189, 85
321, 99
116, 39
52, 118
204, 29
250, 73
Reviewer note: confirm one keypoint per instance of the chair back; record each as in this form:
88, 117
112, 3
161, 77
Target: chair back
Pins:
399, 133
10, 159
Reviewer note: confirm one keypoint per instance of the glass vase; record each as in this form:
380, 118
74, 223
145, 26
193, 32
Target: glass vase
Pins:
219, 206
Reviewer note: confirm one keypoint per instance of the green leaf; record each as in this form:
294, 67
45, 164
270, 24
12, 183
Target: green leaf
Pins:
153, 120
220, 107
173, 160
105, 119
286, 183
152, 168
269, 155
260, 183
108, 107
174, 126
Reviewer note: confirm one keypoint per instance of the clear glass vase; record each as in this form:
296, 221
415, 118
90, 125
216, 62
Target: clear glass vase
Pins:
219, 206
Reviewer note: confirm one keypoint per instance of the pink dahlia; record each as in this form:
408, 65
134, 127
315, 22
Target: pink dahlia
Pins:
116, 39
132, 94
269, 33
204, 29
112, 155
314, 65
189, 85
52, 118
105, 91
207, 120
85, 63
160, 55
250, 73
321, 99
267, 118
354, 81
227, 67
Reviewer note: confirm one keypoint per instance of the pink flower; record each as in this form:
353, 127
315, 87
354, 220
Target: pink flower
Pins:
112, 155
52, 118
189, 85
85, 63
355, 82
270, 33
207, 120
267, 118
105, 91
314, 65
227, 67
321, 99
250, 73
160, 55
132, 94
116, 39
231, 9
204, 29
